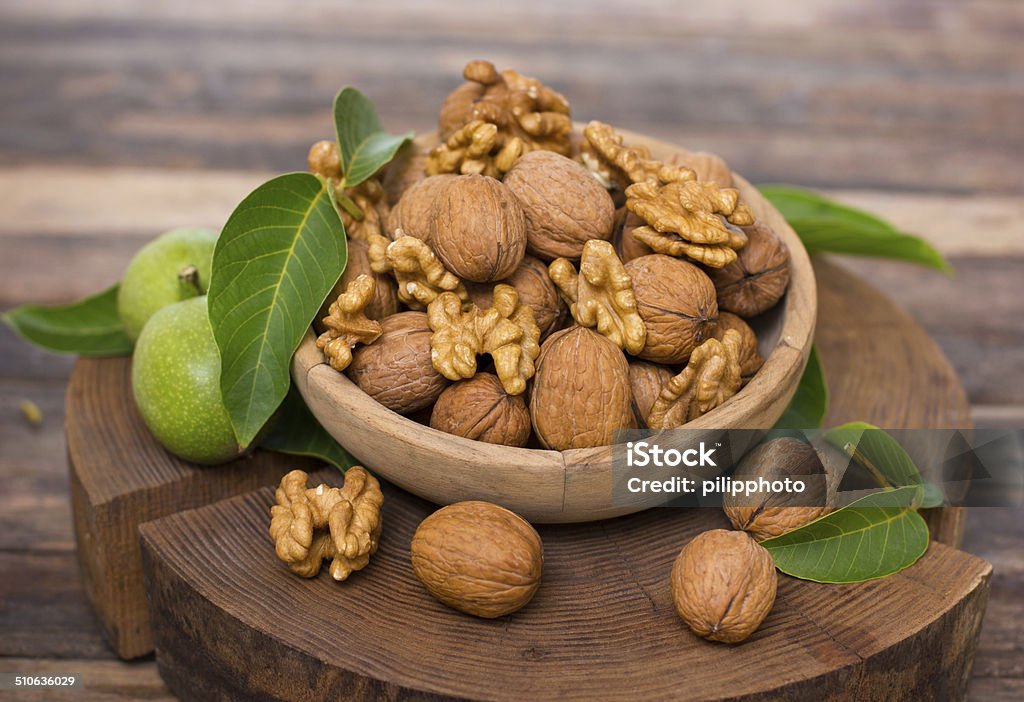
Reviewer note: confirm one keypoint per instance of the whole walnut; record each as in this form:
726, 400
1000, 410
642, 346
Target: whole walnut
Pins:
480, 409
536, 291
581, 392
564, 206
478, 558
756, 280
626, 244
396, 369
766, 514
646, 381
724, 585
478, 229
404, 171
385, 296
676, 300
414, 211
750, 358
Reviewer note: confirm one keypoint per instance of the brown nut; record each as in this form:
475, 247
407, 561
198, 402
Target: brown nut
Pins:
765, 514
385, 297
709, 167
626, 243
564, 206
750, 358
478, 230
396, 369
414, 212
478, 558
404, 171
536, 291
646, 381
676, 300
723, 585
581, 392
480, 409
756, 280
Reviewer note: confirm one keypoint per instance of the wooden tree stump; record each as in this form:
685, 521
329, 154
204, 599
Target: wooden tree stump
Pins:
120, 478
231, 622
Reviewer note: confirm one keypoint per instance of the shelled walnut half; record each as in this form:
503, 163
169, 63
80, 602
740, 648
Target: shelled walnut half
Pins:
710, 378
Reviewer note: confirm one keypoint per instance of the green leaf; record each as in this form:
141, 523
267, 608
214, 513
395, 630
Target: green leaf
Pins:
297, 432
826, 226
878, 535
279, 255
363, 144
810, 403
89, 327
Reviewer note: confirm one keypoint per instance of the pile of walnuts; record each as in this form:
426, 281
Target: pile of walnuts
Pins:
519, 274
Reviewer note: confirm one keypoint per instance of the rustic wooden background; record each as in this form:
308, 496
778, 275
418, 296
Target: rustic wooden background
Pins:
120, 119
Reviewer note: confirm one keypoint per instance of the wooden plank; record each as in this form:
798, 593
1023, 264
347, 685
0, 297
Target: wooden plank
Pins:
102, 680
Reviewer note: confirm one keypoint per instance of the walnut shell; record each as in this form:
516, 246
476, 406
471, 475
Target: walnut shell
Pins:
626, 244
750, 358
405, 170
676, 300
709, 167
536, 291
581, 392
756, 280
396, 369
414, 212
768, 514
723, 585
457, 108
385, 296
478, 231
478, 558
646, 381
480, 409
564, 205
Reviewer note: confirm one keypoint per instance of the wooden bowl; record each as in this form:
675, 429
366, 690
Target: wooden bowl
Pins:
555, 486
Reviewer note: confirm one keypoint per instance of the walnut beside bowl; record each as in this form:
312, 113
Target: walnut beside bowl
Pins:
556, 486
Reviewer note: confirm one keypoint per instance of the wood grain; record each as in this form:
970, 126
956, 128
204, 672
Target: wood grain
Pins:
120, 478
231, 623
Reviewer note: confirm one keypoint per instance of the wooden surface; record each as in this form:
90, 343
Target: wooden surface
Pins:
574, 485
231, 623
115, 490
121, 120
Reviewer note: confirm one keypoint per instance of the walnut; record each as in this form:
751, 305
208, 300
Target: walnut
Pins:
723, 585
385, 295
756, 280
311, 525
478, 230
688, 218
750, 358
404, 171
506, 330
477, 148
676, 300
581, 393
478, 558
646, 381
626, 243
601, 295
536, 291
347, 325
414, 211
613, 163
710, 168
368, 197
396, 369
767, 514
564, 206
520, 107
480, 409
710, 378
420, 276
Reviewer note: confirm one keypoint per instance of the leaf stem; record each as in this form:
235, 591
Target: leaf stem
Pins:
348, 205
855, 453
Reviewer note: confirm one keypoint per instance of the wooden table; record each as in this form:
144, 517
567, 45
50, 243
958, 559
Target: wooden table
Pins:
119, 122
